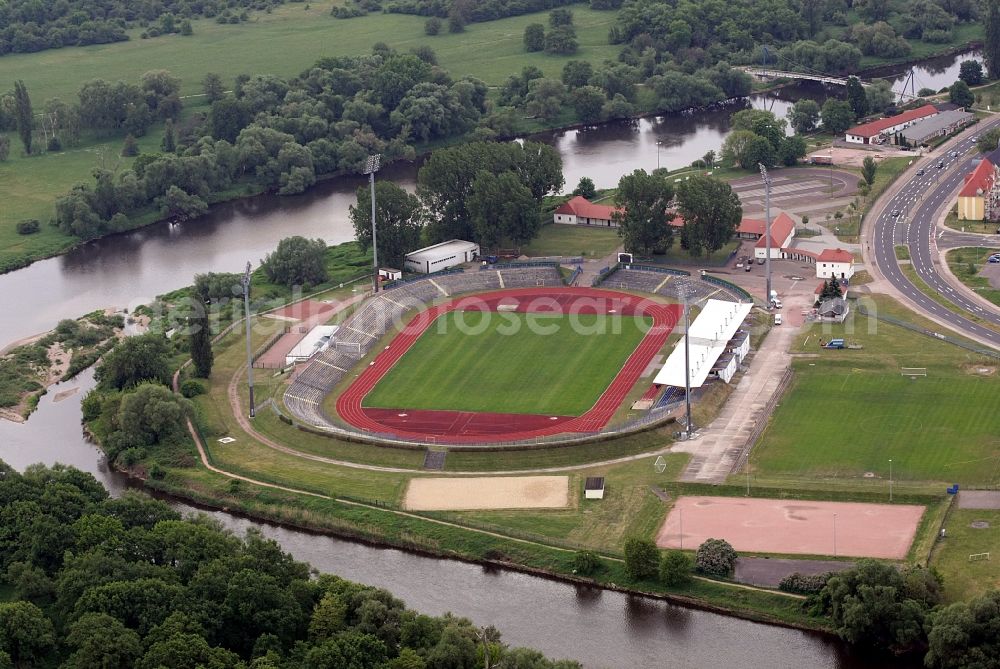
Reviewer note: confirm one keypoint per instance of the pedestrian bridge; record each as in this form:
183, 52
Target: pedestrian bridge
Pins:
762, 73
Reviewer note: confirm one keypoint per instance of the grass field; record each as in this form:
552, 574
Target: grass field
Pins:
849, 411
475, 361
554, 239
959, 261
964, 579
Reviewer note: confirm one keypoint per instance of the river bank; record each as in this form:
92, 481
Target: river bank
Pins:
537, 130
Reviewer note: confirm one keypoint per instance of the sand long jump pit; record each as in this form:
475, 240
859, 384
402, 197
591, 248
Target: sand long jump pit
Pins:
492, 492
793, 526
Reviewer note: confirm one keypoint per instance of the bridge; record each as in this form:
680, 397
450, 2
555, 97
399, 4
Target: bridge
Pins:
768, 73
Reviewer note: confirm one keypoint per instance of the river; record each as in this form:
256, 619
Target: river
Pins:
597, 627
130, 269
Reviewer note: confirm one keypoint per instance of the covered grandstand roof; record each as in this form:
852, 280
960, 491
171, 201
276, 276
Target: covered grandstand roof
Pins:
710, 333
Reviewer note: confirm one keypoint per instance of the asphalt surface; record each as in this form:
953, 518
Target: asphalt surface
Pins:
918, 203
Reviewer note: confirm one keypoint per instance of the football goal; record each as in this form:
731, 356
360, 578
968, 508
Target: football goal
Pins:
979, 557
913, 372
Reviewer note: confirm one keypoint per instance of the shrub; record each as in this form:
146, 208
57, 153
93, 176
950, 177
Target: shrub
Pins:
586, 563
192, 388
675, 568
642, 559
28, 227
804, 584
716, 557
157, 472
432, 26
235, 486
54, 144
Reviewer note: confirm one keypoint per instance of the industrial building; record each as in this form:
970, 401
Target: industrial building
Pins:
876, 132
440, 256
932, 127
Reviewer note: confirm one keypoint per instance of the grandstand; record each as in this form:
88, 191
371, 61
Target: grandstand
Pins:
719, 340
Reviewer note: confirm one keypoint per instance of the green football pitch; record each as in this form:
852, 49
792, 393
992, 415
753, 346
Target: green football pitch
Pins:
510, 363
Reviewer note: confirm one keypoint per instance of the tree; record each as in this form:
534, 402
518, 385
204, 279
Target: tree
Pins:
200, 342
715, 557
432, 26
589, 101
297, 261
169, 143
178, 205
586, 563
642, 557
545, 98
791, 150
643, 212
585, 188
880, 96
102, 641
25, 633
877, 605
399, 221
675, 568
4, 148
971, 72
991, 45
560, 16
502, 208
711, 213
988, 141
133, 361
23, 115
856, 97
577, 73
964, 634
534, 37
150, 415
804, 115
868, 169
837, 116
130, 147
758, 151
960, 94
561, 40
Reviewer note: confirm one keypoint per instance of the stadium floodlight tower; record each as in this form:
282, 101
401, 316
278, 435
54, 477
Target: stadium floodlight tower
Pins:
767, 228
687, 365
371, 167
246, 309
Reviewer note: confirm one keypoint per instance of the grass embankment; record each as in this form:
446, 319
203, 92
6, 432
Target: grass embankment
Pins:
902, 252
911, 273
955, 223
849, 412
965, 579
848, 229
510, 363
960, 261
590, 242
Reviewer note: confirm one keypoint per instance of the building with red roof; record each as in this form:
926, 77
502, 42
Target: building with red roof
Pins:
875, 132
977, 191
782, 233
834, 263
579, 210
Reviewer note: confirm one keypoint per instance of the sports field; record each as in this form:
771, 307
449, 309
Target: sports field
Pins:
550, 364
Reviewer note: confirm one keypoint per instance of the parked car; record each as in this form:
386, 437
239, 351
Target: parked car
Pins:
748, 267
994, 259
777, 319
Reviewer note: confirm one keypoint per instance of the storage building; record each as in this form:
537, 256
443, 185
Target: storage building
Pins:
943, 124
440, 256
875, 132
318, 339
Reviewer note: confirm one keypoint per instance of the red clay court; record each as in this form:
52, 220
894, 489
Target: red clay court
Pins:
802, 527
468, 427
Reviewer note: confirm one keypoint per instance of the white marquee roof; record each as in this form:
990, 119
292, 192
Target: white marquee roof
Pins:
710, 333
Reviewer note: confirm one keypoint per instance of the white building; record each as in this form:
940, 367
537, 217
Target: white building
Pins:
316, 340
782, 233
719, 343
440, 256
879, 130
834, 263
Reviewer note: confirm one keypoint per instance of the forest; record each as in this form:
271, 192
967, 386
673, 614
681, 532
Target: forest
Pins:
89, 581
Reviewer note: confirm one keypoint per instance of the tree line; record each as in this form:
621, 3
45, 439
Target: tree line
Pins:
27, 25
128, 583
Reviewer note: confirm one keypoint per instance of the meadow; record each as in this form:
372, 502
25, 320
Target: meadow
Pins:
848, 412
510, 363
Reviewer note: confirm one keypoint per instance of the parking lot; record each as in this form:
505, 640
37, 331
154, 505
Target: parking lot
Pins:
814, 192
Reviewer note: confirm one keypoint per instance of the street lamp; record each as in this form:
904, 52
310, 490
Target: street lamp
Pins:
767, 228
890, 479
371, 167
687, 363
658, 144
680, 521
246, 311
834, 535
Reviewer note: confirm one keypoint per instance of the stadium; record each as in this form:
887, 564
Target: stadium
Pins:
502, 356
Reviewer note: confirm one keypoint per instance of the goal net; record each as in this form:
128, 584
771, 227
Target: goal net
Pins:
979, 557
913, 372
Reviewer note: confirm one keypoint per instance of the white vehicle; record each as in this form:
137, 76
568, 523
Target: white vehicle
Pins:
776, 303
777, 319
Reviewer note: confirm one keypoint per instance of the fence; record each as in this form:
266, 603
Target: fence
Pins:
930, 333
729, 286
604, 273
571, 279
422, 277
655, 268
528, 264
263, 348
759, 426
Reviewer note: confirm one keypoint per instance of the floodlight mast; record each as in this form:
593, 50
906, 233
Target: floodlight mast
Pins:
246, 309
371, 167
687, 364
767, 228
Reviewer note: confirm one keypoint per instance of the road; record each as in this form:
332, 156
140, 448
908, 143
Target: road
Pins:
909, 217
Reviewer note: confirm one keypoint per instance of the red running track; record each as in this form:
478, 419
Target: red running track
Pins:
466, 427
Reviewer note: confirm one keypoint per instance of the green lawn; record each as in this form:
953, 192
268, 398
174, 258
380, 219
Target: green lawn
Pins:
510, 363
849, 411
959, 260
964, 579
572, 240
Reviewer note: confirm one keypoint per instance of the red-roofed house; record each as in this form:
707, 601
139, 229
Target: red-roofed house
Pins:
874, 132
580, 211
834, 263
782, 232
978, 184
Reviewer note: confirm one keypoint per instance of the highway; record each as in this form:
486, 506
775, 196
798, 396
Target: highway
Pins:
909, 217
